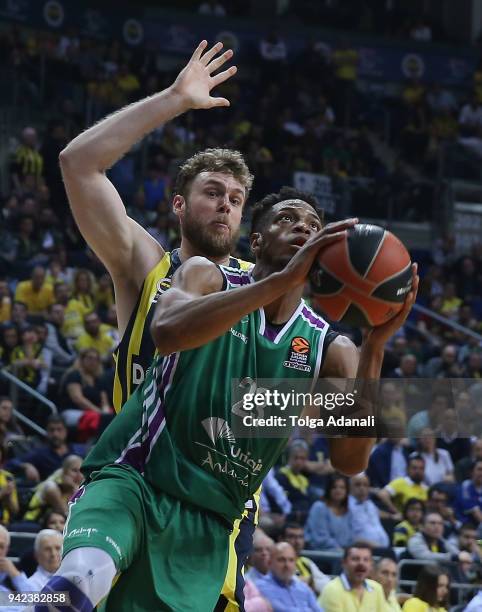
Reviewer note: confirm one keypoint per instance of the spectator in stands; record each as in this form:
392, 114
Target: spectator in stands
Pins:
31, 361
11, 580
282, 588
95, 338
9, 428
40, 463
445, 366
36, 293
386, 575
27, 160
366, 524
467, 541
55, 492
8, 342
438, 501
48, 551
440, 99
19, 315
306, 569
260, 557
469, 278
464, 466
63, 354
54, 520
353, 590
8, 493
83, 388
449, 437
413, 512
83, 291
431, 591
470, 124
329, 525
294, 482
468, 502
402, 489
273, 503
428, 418
5, 301
74, 311
473, 366
438, 463
429, 544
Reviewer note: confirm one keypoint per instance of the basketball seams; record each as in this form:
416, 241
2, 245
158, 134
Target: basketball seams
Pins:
375, 255
389, 278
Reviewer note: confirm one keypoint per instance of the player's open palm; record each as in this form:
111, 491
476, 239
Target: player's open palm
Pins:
196, 81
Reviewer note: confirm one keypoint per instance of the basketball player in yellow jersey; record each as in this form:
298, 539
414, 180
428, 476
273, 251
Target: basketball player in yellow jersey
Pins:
210, 193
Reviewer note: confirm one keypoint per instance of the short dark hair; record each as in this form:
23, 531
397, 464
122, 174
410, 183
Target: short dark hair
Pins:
362, 545
56, 418
413, 501
427, 583
261, 208
436, 488
468, 527
291, 525
414, 457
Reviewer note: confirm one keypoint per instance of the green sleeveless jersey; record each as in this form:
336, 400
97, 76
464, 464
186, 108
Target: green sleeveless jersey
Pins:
176, 428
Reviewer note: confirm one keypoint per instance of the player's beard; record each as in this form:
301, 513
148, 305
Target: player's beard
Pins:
208, 243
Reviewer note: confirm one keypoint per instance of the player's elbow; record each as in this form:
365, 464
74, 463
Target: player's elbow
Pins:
67, 159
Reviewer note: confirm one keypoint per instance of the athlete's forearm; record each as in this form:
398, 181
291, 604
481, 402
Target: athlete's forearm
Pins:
350, 455
185, 324
99, 147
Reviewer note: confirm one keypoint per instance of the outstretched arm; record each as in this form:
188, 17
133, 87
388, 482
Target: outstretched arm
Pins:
122, 245
350, 455
195, 311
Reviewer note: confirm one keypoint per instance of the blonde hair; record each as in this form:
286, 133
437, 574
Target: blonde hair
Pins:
229, 161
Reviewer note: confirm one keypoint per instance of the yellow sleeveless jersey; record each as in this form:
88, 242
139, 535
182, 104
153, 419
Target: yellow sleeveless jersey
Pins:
136, 350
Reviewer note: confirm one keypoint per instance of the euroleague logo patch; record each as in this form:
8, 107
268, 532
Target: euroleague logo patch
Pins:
300, 345
299, 355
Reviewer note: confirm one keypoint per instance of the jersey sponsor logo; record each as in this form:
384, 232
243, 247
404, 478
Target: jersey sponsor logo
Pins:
298, 355
223, 467
82, 531
217, 428
238, 334
162, 286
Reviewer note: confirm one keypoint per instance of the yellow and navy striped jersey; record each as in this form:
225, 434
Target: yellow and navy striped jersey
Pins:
136, 350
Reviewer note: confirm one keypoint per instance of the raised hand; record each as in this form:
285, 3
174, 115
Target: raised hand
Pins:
195, 82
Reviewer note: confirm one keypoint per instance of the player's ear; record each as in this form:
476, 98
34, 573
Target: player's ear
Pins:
256, 241
178, 204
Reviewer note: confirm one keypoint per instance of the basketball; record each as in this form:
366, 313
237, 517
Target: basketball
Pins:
362, 280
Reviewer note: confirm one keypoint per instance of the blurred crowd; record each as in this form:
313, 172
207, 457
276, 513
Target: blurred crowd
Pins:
420, 502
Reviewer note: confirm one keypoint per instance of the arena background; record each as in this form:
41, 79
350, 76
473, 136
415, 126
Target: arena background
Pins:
375, 106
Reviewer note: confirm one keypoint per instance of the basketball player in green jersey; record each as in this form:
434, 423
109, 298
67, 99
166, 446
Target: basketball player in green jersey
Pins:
211, 190
167, 478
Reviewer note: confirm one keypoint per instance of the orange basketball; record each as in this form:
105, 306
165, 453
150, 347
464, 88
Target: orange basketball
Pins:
363, 279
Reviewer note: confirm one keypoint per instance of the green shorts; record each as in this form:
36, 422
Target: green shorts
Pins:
170, 556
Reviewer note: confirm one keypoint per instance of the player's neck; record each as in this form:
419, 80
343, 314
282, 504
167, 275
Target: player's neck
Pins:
281, 309
187, 250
